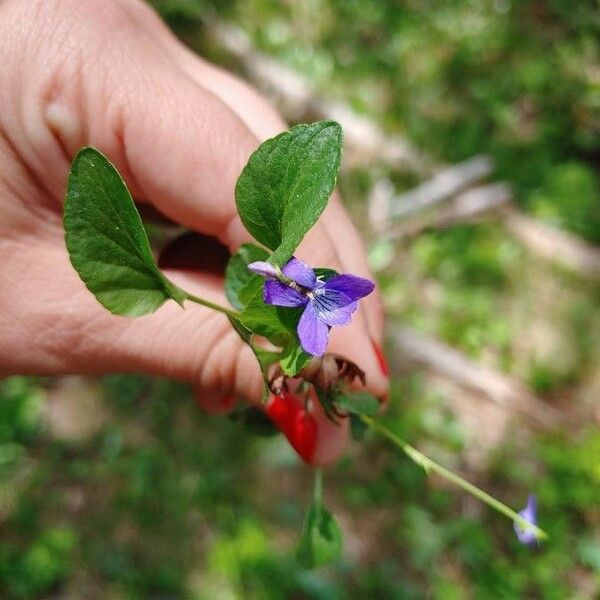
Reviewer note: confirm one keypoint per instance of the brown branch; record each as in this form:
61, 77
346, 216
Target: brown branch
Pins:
453, 364
555, 245
472, 205
442, 186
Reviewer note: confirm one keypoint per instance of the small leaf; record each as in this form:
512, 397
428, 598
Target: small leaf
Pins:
286, 184
325, 274
274, 323
107, 244
321, 540
242, 331
237, 275
326, 399
359, 403
358, 427
293, 358
254, 287
265, 357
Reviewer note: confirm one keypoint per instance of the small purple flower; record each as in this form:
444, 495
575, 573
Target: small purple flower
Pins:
325, 303
529, 513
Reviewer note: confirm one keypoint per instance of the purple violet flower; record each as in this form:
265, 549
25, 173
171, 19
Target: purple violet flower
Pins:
326, 303
529, 513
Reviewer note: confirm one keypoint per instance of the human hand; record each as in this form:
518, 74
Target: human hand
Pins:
108, 73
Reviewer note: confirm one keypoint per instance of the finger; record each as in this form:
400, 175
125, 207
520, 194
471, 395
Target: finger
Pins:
214, 402
265, 122
332, 437
353, 256
256, 112
194, 252
352, 341
61, 328
333, 241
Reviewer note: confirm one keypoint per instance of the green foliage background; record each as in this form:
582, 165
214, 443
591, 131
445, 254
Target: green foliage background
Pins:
147, 497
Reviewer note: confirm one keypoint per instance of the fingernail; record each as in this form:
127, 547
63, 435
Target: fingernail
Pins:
299, 426
303, 436
383, 365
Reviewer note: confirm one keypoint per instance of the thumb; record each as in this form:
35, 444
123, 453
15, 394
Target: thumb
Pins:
178, 147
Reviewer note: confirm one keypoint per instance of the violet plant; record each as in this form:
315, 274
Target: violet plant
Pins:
280, 195
325, 303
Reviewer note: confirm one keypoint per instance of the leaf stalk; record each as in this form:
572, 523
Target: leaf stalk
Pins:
430, 465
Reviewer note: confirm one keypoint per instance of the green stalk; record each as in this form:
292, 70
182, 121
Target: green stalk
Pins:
318, 487
430, 465
208, 304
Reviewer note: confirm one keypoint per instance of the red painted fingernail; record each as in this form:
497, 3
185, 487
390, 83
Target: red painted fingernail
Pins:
304, 436
383, 365
299, 427
281, 410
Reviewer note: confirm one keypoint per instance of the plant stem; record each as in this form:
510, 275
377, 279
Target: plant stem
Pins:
430, 465
318, 487
208, 304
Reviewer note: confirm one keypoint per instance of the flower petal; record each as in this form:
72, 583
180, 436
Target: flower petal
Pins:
341, 316
313, 332
301, 273
529, 513
279, 294
333, 308
350, 285
263, 268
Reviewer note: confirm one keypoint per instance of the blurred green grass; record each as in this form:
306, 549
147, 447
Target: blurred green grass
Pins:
164, 502
154, 499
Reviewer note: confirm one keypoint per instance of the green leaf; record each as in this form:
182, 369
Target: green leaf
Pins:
107, 244
286, 184
359, 403
358, 427
277, 324
293, 358
321, 540
253, 288
326, 399
242, 331
265, 357
324, 273
237, 275
265, 321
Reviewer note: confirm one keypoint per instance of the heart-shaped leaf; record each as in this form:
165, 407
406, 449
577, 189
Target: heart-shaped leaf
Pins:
293, 357
107, 244
237, 274
359, 403
286, 184
265, 320
321, 540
